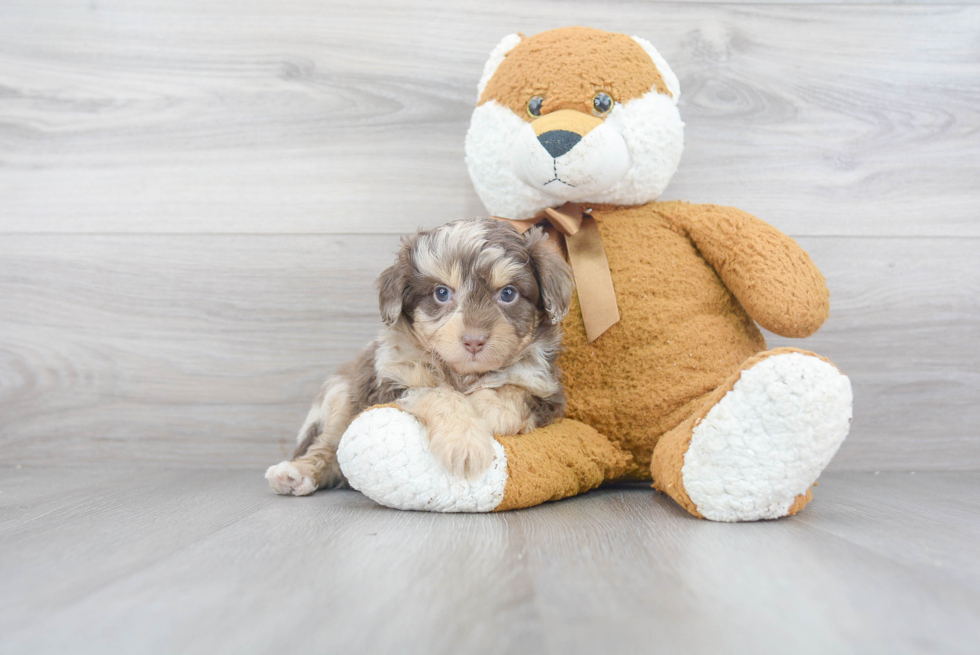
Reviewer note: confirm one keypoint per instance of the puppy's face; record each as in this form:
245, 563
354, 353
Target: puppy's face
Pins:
476, 292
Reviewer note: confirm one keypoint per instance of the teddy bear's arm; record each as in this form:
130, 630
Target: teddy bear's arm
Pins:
770, 274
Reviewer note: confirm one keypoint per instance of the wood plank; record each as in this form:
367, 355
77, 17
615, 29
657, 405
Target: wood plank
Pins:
198, 561
876, 503
301, 116
189, 349
353, 537
111, 524
206, 350
691, 586
903, 326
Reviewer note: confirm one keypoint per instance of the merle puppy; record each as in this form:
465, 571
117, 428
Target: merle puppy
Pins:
472, 312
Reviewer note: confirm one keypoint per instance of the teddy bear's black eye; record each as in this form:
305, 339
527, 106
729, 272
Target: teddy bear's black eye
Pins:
534, 106
602, 103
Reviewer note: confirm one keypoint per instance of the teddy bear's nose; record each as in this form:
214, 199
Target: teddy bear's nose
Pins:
558, 142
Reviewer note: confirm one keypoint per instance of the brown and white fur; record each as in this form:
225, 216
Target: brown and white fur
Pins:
472, 312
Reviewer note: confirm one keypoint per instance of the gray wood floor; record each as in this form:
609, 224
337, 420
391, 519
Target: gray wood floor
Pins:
201, 561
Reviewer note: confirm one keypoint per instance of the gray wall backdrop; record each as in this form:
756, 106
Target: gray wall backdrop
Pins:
195, 199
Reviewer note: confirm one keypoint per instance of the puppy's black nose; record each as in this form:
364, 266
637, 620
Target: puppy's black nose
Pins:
558, 142
474, 342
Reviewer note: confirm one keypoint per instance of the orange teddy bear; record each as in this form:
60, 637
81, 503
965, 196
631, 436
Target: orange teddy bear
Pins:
667, 375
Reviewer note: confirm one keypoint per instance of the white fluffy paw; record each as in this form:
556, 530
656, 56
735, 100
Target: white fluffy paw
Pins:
287, 479
767, 439
385, 455
465, 454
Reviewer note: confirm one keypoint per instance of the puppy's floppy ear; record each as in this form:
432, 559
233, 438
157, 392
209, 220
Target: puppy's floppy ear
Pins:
393, 282
554, 275
390, 287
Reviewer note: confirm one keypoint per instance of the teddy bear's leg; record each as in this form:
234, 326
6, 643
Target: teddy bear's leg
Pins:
559, 461
753, 448
385, 455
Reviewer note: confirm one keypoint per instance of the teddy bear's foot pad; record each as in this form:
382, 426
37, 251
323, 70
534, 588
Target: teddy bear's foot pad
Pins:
767, 439
385, 455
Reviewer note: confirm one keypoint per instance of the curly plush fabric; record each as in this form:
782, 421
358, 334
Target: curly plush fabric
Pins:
768, 439
750, 449
683, 330
682, 390
558, 461
579, 62
385, 455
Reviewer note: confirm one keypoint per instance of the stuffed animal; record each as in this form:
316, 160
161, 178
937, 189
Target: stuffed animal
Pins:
674, 383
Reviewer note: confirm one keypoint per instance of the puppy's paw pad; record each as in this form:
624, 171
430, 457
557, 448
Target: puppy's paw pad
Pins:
288, 479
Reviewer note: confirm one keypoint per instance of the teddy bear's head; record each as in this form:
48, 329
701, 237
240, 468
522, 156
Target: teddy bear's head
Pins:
573, 114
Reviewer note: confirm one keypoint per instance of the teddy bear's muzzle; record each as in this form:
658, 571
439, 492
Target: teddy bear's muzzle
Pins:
569, 155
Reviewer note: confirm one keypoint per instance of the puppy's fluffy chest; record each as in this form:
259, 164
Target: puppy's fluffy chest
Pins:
399, 359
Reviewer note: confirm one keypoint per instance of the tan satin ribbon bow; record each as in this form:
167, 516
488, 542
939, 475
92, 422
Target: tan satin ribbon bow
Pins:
596, 294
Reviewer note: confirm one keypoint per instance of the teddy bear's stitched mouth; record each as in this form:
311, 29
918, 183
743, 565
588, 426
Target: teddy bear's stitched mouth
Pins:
554, 164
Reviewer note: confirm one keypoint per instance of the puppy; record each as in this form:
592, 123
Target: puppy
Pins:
472, 312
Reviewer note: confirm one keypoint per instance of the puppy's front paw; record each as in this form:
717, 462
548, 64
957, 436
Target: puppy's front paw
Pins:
465, 450
289, 479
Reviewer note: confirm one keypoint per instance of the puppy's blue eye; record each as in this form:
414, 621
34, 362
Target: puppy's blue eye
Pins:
443, 293
508, 294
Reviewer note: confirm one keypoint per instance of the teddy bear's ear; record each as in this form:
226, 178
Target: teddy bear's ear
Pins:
496, 57
673, 85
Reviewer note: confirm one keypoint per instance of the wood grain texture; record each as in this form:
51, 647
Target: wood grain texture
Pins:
302, 116
164, 561
206, 350
181, 349
195, 199
905, 326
